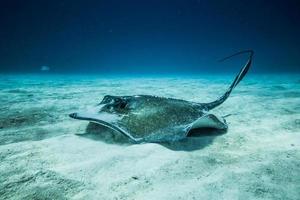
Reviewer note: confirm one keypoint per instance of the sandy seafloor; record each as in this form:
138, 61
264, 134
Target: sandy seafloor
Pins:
44, 154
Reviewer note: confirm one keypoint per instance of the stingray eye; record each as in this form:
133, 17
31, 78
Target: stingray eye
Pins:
117, 100
106, 99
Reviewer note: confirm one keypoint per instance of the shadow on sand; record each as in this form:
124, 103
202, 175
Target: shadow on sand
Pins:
197, 138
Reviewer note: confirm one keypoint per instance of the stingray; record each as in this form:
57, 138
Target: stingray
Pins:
146, 118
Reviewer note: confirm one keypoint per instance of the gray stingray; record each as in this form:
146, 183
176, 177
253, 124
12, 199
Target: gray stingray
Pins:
146, 118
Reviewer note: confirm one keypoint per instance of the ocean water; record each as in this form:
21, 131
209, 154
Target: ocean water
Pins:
46, 154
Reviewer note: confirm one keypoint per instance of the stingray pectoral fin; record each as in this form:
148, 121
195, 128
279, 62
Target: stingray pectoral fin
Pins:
105, 120
118, 129
209, 121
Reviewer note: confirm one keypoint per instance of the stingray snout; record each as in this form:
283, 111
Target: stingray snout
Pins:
73, 115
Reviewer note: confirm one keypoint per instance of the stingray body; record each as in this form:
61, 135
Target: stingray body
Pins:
146, 118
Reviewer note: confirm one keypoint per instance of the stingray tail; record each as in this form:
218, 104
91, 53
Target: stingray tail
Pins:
236, 81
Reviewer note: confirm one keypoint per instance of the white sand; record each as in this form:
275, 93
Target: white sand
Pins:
46, 155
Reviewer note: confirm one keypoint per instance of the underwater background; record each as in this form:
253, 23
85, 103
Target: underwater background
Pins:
58, 57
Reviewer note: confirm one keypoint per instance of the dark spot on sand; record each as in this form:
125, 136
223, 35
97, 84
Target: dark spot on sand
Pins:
17, 91
278, 87
291, 94
260, 191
